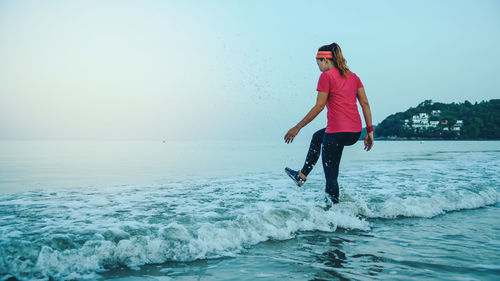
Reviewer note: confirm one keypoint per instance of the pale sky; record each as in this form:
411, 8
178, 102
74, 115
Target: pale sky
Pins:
228, 70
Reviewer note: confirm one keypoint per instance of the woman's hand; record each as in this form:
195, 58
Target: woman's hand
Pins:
290, 135
368, 141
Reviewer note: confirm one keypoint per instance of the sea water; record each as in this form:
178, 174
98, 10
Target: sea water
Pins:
104, 210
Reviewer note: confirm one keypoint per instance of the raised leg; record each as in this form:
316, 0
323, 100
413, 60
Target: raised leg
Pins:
314, 152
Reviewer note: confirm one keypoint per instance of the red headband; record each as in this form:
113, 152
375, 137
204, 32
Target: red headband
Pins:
324, 54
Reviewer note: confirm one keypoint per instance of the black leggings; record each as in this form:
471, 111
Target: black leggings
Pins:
333, 144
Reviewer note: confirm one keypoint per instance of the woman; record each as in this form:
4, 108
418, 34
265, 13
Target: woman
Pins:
338, 89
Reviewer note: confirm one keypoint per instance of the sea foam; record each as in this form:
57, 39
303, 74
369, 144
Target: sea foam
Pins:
69, 234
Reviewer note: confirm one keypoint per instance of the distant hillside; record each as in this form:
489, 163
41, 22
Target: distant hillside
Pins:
444, 121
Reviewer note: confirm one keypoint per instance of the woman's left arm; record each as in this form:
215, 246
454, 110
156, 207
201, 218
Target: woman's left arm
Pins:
317, 108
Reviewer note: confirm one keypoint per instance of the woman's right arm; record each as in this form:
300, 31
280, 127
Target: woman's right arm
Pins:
363, 101
320, 104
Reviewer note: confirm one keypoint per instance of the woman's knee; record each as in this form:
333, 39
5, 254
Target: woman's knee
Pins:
318, 136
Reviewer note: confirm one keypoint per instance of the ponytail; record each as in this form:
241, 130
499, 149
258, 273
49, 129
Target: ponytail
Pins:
338, 59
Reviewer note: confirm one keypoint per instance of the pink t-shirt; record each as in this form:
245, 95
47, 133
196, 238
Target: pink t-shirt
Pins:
343, 115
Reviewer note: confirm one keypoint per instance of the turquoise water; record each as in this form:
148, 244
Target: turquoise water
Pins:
226, 211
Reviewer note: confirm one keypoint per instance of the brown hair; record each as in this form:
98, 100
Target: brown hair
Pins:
338, 59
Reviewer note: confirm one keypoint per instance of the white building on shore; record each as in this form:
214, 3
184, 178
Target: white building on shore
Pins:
422, 121
458, 125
